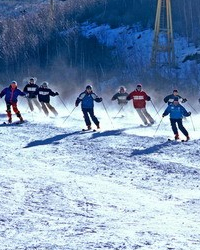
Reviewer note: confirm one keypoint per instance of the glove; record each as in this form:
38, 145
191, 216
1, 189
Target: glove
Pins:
56, 93
189, 113
76, 103
163, 116
184, 100
98, 99
148, 98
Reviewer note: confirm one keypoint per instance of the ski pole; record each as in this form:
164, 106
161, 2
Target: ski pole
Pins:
69, 114
63, 104
158, 127
107, 114
192, 122
119, 111
192, 107
155, 108
159, 110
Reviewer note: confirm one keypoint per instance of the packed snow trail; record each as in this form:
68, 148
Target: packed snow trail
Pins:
116, 188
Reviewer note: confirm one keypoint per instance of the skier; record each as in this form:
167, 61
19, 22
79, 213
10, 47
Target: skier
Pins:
139, 102
44, 94
11, 93
30, 90
87, 99
120, 96
170, 98
177, 111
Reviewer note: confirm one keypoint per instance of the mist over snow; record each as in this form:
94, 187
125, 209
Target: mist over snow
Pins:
123, 187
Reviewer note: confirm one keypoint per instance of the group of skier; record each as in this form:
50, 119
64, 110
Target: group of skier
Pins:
40, 97
174, 108
37, 95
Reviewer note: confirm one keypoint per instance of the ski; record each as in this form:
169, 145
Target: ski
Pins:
88, 130
13, 123
176, 140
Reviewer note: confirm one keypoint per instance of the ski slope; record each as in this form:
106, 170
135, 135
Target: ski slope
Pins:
123, 187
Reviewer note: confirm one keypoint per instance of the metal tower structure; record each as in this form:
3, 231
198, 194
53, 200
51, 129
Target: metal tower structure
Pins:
163, 42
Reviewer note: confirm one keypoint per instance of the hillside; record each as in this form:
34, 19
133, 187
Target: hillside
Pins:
51, 45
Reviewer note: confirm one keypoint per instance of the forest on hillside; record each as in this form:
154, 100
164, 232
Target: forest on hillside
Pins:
37, 39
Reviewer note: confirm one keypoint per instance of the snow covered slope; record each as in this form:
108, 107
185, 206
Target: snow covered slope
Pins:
124, 187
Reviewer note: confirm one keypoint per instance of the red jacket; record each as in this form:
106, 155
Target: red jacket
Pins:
139, 98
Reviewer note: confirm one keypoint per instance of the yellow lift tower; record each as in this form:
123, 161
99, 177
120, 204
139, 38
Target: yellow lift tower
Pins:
163, 42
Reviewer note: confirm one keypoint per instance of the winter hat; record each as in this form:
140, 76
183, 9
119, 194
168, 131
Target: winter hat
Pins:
175, 99
139, 85
122, 88
45, 84
88, 87
32, 80
14, 83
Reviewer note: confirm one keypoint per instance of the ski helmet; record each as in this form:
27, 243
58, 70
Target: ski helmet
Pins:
45, 84
139, 85
32, 80
89, 87
14, 84
122, 89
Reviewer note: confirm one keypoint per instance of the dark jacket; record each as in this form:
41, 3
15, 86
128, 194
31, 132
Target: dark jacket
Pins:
87, 100
30, 89
11, 94
44, 94
170, 98
176, 111
120, 97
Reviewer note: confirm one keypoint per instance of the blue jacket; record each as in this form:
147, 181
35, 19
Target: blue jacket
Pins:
176, 111
87, 100
11, 94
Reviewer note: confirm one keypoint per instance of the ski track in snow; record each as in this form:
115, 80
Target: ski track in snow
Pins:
123, 187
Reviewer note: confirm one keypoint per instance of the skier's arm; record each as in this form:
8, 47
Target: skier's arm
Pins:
130, 96
185, 113
166, 99
77, 102
114, 97
166, 112
96, 98
51, 93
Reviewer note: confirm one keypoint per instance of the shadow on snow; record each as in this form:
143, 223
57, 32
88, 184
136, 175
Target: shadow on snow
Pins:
51, 140
107, 133
152, 149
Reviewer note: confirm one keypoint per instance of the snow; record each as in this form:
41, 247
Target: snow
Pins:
123, 187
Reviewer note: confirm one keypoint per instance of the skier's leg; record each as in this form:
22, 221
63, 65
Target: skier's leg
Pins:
8, 111
86, 117
182, 128
147, 115
30, 104
174, 128
37, 104
53, 110
139, 111
93, 117
44, 108
17, 112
